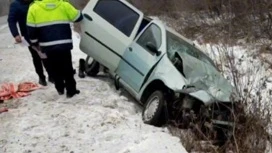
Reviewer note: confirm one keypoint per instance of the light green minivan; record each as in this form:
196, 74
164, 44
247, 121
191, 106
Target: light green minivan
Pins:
164, 71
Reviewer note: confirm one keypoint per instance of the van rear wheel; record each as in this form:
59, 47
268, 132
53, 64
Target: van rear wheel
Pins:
91, 66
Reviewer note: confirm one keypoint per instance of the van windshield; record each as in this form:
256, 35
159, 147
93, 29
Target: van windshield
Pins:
176, 44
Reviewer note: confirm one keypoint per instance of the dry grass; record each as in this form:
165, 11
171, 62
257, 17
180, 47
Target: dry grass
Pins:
215, 20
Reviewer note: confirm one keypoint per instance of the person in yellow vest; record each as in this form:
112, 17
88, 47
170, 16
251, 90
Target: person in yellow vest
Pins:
48, 25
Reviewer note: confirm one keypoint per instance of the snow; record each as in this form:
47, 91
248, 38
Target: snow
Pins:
100, 119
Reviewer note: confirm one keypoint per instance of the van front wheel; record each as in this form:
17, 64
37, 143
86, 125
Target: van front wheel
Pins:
153, 112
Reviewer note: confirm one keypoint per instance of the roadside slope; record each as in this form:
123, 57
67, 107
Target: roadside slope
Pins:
99, 120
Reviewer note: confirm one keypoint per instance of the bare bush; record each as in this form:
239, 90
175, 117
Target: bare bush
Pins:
253, 118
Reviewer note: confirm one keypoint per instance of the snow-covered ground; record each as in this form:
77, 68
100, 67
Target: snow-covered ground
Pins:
99, 120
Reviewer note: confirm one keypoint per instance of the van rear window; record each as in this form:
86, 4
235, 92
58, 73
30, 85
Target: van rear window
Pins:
117, 14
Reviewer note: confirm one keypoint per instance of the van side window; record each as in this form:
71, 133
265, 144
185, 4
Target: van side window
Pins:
152, 34
143, 24
117, 14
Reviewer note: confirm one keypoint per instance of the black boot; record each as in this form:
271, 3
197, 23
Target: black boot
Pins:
71, 94
50, 79
42, 82
60, 92
81, 68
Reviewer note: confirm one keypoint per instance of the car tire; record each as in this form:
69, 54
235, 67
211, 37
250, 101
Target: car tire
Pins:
156, 116
91, 68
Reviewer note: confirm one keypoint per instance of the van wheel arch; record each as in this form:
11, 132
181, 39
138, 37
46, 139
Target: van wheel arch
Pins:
153, 86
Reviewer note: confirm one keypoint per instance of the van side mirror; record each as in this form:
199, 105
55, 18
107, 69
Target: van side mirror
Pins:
152, 48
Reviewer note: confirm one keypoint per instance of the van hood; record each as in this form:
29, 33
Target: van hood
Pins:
204, 76
49, 4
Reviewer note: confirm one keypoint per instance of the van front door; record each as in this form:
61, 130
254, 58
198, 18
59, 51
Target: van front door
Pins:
139, 60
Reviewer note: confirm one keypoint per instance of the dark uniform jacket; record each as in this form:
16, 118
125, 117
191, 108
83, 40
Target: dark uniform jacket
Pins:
17, 14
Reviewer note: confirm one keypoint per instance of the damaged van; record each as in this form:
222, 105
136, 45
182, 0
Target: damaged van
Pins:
168, 74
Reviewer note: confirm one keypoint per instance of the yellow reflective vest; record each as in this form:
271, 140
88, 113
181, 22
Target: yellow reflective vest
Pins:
48, 24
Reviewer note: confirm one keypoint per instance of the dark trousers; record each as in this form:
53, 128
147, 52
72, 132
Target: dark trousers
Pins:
39, 63
60, 61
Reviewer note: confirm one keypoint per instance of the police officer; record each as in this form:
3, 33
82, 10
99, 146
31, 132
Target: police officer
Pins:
48, 23
17, 14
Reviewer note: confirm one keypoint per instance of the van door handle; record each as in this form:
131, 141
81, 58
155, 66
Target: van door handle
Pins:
130, 49
88, 17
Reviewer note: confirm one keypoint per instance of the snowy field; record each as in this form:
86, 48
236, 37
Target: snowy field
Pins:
99, 120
